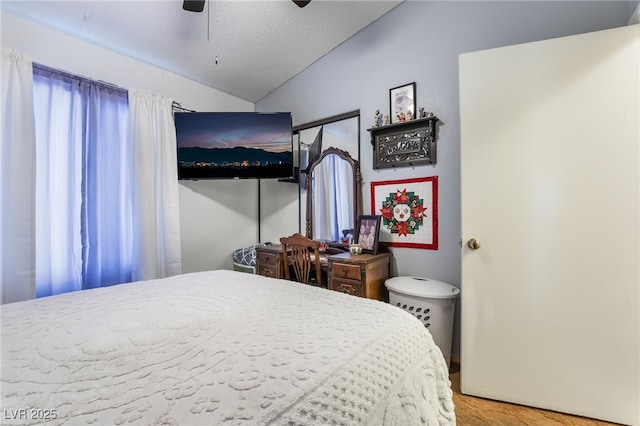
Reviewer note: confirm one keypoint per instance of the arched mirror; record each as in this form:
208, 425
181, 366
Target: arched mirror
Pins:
326, 146
333, 196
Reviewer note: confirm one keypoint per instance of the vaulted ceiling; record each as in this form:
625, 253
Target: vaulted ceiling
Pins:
244, 48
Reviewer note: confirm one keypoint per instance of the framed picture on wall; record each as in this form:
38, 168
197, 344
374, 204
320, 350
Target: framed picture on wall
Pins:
368, 232
402, 103
409, 210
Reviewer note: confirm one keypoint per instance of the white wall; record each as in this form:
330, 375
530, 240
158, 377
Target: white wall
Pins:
420, 41
215, 216
279, 210
634, 12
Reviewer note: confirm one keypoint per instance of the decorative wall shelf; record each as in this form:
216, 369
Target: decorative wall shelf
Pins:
408, 143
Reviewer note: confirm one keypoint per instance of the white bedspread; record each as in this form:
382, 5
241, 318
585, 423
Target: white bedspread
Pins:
219, 347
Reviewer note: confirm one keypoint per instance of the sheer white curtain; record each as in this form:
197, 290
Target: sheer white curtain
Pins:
157, 223
89, 185
343, 175
17, 179
333, 206
84, 209
324, 201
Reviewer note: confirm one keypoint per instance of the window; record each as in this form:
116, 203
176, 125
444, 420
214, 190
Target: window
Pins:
84, 173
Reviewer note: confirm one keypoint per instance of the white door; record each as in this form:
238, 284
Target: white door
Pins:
550, 189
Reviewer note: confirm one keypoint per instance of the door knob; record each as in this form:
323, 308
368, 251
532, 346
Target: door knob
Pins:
473, 244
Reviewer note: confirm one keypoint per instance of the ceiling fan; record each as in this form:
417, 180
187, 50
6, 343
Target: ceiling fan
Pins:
198, 5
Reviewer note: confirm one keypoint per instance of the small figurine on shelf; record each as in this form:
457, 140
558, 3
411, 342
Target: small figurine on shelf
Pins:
376, 119
401, 117
422, 113
386, 120
409, 116
431, 114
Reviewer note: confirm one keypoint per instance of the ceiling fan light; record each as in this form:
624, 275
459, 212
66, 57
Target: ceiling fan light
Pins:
193, 5
301, 3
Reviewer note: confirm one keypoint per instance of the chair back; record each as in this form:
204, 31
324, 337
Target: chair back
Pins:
303, 255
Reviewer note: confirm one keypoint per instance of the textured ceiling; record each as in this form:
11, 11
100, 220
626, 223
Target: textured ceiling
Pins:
258, 45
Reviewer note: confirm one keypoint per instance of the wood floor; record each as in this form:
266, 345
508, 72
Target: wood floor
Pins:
472, 411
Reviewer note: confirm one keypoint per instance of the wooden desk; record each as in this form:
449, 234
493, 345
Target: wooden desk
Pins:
269, 262
362, 275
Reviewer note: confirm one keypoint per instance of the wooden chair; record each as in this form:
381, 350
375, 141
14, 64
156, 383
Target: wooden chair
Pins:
303, 255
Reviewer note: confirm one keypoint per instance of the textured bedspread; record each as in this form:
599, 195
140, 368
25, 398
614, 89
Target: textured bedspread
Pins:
219, 347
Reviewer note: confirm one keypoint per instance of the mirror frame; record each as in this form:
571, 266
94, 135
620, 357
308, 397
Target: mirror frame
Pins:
357, 181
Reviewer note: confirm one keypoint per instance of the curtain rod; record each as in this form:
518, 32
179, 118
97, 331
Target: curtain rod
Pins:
178, 106
65, 74
111, 86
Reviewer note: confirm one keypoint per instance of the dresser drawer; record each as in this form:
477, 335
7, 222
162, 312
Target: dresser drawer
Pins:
268, 261
267, 271
267, 258
344, 270
360, 275
346, 286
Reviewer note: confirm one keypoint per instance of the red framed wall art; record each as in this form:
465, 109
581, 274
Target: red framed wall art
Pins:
409, 210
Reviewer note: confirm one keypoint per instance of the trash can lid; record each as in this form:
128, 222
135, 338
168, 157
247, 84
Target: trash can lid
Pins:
422, 287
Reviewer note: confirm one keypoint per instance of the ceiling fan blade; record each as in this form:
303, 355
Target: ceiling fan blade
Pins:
301, 3
193, 5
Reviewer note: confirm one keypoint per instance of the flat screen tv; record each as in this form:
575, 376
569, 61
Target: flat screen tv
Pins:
234, 145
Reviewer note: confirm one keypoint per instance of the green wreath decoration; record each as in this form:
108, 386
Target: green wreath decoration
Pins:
403, 212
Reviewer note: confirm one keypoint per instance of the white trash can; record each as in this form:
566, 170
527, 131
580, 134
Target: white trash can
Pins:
432, 302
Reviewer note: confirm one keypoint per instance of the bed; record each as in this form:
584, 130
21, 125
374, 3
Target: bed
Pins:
219, 347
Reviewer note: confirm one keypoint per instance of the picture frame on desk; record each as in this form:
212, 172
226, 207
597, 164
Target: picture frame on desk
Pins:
368, 233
